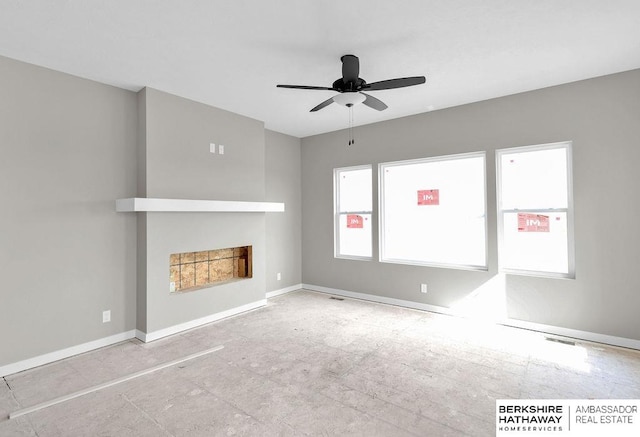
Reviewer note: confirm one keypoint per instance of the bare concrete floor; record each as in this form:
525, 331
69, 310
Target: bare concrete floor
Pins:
310, 365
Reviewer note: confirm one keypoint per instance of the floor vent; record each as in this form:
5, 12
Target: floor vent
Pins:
557, 340
336, 298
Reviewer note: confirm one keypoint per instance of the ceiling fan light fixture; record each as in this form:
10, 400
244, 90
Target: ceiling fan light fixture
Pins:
349, 99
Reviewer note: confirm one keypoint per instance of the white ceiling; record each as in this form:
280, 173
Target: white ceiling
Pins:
231, 54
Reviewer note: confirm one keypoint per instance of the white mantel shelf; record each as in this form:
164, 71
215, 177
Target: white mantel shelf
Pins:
143, 204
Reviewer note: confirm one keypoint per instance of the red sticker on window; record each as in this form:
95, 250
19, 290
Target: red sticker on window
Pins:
533, 222
428, 197
355, 221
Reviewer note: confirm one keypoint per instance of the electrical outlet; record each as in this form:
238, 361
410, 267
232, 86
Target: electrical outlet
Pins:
278, 276
221, 149
106, 316
212, 147
423, 288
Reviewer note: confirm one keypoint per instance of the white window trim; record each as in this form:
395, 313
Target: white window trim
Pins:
337, 213
381, 227
569, 210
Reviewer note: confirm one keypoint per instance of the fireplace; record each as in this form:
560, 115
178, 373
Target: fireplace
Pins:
195, 270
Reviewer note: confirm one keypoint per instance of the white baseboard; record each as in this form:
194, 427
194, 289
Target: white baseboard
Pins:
155, 335
539, 327
594, 337
380, 299
51, 357
285, 290
41, 360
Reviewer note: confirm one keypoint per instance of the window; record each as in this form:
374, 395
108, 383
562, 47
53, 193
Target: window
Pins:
352, 225
535, 216
433, 212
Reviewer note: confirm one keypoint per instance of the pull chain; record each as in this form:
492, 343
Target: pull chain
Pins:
351, 139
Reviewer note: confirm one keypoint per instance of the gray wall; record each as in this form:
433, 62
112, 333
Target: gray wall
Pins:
283, 184
141, 227
68, 151
70, 147
179, 165
599, 115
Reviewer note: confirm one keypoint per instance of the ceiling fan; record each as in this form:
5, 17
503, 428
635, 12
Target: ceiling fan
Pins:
351, 87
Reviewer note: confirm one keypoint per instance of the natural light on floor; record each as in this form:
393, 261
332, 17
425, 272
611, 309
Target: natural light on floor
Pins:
487, 305
571, 356
487, 302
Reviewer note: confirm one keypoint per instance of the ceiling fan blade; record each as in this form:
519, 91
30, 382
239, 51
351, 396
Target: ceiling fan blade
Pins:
394, 83
374, 103
305, 87
350, 68
322, 105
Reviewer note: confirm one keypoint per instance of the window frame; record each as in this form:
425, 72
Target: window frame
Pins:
337, 212
381, 209
569, 210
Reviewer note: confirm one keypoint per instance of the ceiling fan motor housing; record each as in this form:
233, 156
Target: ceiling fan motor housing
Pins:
344, 87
